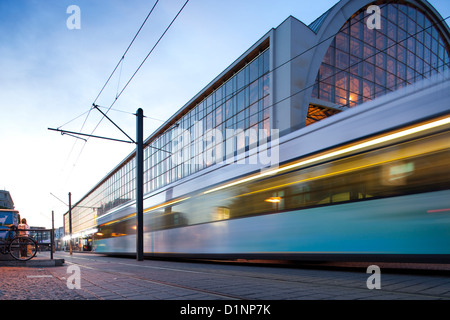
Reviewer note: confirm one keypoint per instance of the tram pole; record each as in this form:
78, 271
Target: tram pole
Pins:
140, 185
139, 177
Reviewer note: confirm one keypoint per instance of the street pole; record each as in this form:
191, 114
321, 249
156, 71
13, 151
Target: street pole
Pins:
140, 185
52, 236
139, 178
70, 222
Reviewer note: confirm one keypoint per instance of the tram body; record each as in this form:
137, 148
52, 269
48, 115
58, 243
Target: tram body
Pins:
370, 183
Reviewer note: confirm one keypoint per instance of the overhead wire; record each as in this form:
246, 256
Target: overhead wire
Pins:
106, 83
126, 51
131, 113
115, 68
117, 65
73, 119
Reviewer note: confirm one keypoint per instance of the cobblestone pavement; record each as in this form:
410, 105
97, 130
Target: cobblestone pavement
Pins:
108, 278
18, 283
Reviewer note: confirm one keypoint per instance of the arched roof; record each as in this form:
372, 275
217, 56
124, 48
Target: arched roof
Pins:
332, 20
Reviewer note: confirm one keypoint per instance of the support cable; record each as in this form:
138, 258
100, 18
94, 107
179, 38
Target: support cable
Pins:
126, 51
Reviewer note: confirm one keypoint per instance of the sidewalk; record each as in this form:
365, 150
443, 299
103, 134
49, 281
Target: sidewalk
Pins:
22, 283
32, 279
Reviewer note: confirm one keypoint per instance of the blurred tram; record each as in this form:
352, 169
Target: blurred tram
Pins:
371, 183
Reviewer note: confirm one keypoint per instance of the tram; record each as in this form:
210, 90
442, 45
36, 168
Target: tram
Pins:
371, 183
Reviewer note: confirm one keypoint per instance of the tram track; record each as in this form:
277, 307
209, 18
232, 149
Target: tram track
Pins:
156, 282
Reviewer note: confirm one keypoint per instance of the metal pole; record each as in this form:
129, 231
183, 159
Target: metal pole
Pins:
70, 222
140, 185
52, 236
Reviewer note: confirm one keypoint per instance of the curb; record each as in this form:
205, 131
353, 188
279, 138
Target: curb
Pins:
33, 263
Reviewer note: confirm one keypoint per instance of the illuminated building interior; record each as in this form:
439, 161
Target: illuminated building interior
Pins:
362, 63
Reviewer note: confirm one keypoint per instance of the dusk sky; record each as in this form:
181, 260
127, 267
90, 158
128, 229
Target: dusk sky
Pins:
51, 75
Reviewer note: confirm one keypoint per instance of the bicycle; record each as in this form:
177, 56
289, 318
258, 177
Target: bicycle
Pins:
20, 247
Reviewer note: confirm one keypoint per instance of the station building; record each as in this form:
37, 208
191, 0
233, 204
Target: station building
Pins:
294, 76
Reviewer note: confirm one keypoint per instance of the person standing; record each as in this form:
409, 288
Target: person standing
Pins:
26, 250
23, 226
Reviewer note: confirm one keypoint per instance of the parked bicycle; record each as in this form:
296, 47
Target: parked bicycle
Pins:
20, 247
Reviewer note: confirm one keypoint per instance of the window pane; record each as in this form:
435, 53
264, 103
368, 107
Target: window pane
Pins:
342, 42
342, 60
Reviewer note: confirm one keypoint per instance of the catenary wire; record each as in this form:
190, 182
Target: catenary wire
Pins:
126, 51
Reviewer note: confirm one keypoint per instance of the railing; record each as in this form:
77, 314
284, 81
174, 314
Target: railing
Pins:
44, 238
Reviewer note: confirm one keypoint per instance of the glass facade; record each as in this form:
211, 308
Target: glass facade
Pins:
362, 63
239, 104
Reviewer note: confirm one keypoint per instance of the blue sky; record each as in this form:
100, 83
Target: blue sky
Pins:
52, 74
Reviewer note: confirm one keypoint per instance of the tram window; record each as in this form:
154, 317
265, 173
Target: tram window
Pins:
222, 213
396, 173
299, 195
